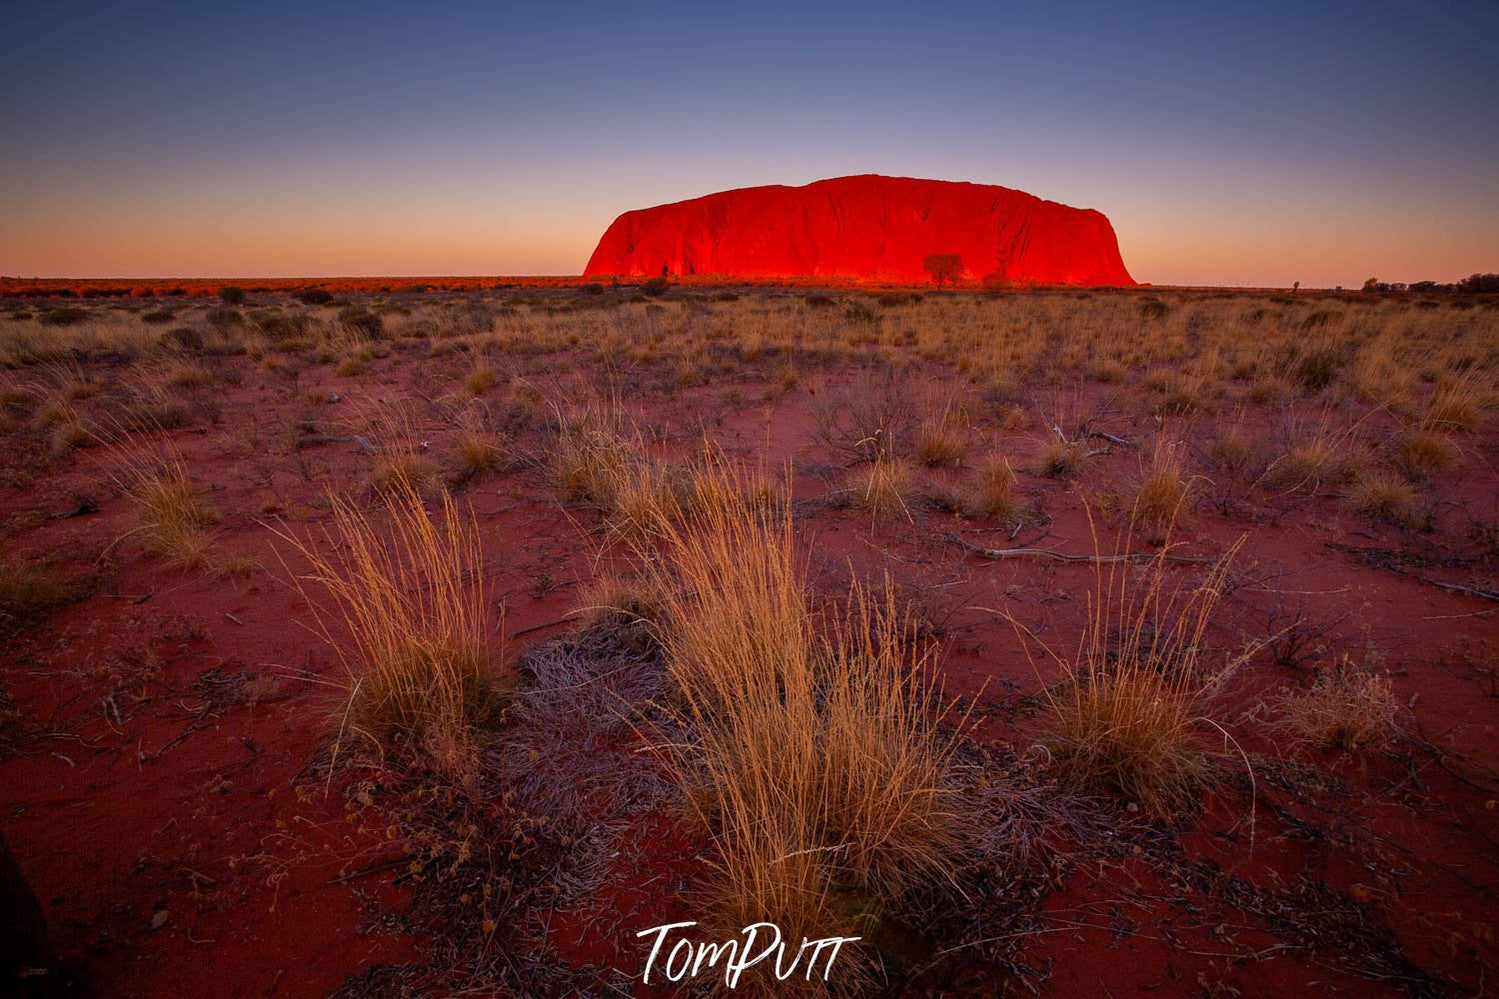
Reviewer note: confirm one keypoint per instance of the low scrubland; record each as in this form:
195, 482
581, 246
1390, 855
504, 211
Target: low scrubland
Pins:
949, 621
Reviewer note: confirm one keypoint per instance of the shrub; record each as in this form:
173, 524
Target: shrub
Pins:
1479, 284
655, 287
944, 268
231, 295
64, 316
314, 296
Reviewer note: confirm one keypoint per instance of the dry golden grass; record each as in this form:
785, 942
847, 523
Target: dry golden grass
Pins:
814, 761
477, 450
1059, 459
1164, 491
27, 590
994, 493
399, 466
590, 456
1347, 707
881, 490
644, 498
70, 434
1458, 404
1231, 447
410, 622
1385, 496
1133, 713
1316, 458
356, 363
1428, 451
622, 599
173, 516
942, 442
184, 374
480, 379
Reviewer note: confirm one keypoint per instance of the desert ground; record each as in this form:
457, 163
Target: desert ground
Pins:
425, 641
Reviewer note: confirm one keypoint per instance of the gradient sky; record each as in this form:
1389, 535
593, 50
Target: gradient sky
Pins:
1258, 144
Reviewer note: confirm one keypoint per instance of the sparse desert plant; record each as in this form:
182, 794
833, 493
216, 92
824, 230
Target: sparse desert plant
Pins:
1133, 714
356, 363
589, 458
410, 622
1429, 451
480, 379
1163, 491
876, 414
1230, 448
185, 375
399, 466
994, 494
1059, 459
68, 430
1316, 459
400, 454
622, 600
1458, 404
645, 497
1384, 496
942, 442
173, 516
27, 590
814, 762
1348, 706
882, 488
477, 451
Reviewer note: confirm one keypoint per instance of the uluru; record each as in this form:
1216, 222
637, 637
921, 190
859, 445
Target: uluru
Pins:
866, 228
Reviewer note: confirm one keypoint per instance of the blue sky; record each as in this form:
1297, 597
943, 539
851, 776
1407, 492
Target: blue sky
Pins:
1324, 143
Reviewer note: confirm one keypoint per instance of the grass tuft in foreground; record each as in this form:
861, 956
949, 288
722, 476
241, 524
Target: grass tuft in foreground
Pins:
410, 622
813, 758
1348, 706
173, 516
1133, 714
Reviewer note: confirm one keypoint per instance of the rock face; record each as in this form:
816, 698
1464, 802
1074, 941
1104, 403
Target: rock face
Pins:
865, 228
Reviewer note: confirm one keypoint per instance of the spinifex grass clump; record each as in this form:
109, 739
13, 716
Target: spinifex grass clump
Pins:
1163, 490
27, 589
411, 623
880, 491
994, 495
1348, 706
813, 758
173, 517
1133, 713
